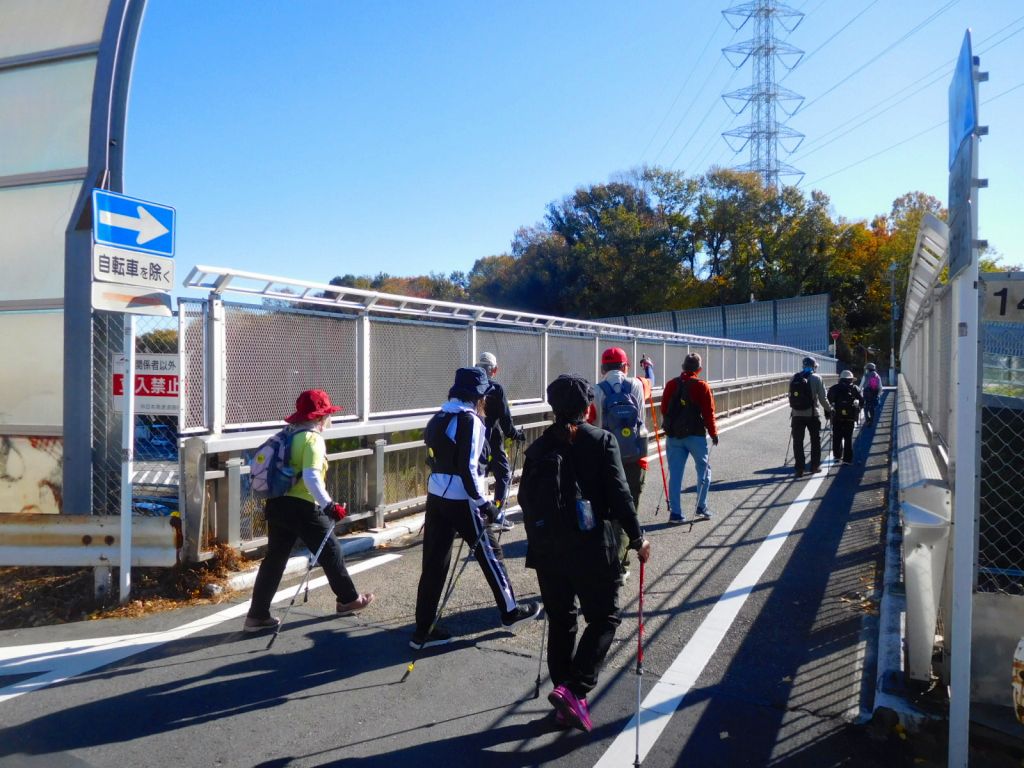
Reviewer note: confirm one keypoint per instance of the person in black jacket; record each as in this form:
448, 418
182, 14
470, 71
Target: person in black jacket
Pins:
580, 565
499, 425
846, 401
456, 504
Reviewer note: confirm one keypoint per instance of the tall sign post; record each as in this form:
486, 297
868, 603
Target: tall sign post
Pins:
133, 271
963, 271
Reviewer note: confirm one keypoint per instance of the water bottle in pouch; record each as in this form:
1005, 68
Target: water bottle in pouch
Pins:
585, 515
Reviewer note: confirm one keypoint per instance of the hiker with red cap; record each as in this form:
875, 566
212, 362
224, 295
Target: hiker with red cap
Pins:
305, 512
619, 408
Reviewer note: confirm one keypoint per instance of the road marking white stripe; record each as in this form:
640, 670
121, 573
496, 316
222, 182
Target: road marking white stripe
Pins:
56, 662
668, 693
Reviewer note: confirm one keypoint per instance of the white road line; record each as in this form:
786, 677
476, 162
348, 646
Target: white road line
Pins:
668, 693
55, 662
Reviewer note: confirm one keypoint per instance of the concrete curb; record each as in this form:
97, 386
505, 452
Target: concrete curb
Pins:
350, 545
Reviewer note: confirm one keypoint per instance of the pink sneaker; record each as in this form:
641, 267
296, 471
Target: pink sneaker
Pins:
574, 710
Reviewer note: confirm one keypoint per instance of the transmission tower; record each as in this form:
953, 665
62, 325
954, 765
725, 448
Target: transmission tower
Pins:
765, 97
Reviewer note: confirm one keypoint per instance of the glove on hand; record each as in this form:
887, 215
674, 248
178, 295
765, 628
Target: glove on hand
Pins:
336, 511
714, 440
519, 435
488, 512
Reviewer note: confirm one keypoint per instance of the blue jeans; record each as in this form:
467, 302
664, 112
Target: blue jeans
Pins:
678, 449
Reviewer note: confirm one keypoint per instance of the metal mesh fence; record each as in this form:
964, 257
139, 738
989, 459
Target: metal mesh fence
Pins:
156, 422
272, 356
192, 329
568, 354
1001, 504
519, 355
414, 363
801, 322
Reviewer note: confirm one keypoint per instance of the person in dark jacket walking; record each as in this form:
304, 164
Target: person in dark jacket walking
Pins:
688, 415
577, 559
305, 512
456, 445
846, 401
807, 391
499, 426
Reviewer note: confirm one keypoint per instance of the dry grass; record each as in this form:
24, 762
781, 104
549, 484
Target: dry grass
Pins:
36, 597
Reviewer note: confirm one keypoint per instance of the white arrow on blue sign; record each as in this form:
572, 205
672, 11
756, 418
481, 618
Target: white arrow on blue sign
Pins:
138, 225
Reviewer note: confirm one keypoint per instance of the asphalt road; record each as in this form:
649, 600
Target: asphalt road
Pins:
759, 634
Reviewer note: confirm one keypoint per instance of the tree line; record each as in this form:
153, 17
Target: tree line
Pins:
654, 239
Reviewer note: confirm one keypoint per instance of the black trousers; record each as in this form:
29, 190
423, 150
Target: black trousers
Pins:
842, 439
499, 464
803, 424
870, 404
562, 584
289, 519
445, 518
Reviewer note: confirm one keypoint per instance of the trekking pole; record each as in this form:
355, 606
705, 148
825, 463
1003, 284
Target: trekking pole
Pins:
661, 460
451, 589
706, 480
305, 581
639, 662
540, 657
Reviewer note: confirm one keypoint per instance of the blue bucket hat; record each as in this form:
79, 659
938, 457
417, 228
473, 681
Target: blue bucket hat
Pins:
470, 384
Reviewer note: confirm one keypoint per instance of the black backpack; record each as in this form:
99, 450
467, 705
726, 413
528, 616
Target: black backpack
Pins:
683, 417
548, 493
800, 397
845, 403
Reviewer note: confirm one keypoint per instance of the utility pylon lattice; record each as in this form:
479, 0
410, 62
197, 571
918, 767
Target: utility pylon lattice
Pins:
764, 96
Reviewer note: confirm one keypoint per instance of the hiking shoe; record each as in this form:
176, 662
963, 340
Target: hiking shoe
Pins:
258, 625
350, 609
522, 612
437, 636
702, 514
676, 520
798, 474
503, 527
815, 469
848, 463
573, 709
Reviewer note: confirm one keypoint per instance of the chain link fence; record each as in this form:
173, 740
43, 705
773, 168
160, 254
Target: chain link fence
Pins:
1001, 508
156, 414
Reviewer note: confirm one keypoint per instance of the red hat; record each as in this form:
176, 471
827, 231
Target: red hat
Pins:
614, 355
311, 405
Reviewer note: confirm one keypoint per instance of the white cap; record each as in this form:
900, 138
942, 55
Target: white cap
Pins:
487, 360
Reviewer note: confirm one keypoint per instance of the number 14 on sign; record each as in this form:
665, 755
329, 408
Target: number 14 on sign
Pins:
1004, 300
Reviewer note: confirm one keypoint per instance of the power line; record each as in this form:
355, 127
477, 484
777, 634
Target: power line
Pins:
686, 82
833, 36
897, 98
891, 147
700, 123
880, 54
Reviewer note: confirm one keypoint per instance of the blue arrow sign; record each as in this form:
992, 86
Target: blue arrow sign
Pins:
137, 225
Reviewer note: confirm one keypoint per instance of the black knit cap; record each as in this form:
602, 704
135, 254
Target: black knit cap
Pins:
470, 384
570, 395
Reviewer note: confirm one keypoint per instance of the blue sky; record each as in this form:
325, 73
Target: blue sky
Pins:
315, 138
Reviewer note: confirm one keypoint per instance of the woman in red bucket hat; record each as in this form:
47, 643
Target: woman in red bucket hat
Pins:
305, 512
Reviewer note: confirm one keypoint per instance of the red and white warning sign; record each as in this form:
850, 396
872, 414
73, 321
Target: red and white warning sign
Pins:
156, 383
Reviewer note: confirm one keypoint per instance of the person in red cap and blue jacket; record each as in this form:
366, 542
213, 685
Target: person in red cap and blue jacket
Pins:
305, 512
619, 407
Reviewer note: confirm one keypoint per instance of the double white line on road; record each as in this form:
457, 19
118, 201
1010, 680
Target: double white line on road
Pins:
51, 663
668, 693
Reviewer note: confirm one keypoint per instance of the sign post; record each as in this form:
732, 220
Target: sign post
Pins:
127, 463
132, 271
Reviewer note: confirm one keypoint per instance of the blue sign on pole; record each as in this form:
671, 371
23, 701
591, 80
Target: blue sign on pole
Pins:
138, 225
963, 100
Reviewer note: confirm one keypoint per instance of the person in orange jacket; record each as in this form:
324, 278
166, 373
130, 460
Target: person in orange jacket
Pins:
688, 417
